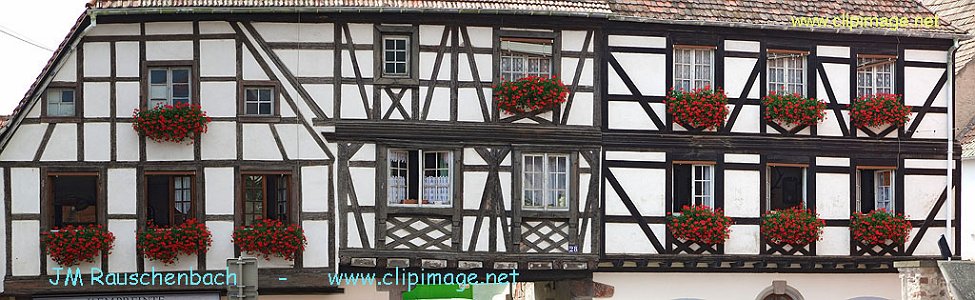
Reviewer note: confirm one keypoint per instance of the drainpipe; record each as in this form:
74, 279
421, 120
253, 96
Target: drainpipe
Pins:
950, 160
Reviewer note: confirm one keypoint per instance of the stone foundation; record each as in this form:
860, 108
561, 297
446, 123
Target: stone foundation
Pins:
922, 280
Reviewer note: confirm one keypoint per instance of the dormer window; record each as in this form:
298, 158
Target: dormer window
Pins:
523, 57
787, 72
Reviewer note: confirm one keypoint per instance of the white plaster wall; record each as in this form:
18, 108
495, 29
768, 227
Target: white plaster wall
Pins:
126, 98
352, 101
123, 256
839, 79
298, 143
323, 96
629, 115
361, 33
635, 66
833, 195
630, 239
259, 143
834, 241
920, 194
748, 119
352, 234
25, 247
24, 142
98, 141
637, 41
473, 189
218, 58
737, 70
219, 99
169, 50
311, 63
167, 151
35, 111
833, 161
468, 105
967, 208
365, 185
918, 85
484, 63
747, 286
742, 158
25, 191
935, 56
833, 51
645, 187
742, 190
222, 247
169, 28
363, 59
126, 142
743, 239
316, 252
251, 69
582, 110
63, 144
116, 29
926, 164
572, 40
831, 126
314, 189
220, 141
69, 70
294, 32
636, 156
121, 191
929, 242
744, 46
366, 153
505, 178
126, 59
483, 235
215, 27
472, 158
98, 59
218, 182
932, 126
430, 34
96, 99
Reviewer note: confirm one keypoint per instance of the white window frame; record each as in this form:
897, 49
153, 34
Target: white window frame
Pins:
706, 198
168, 85
522, 53
788, 60
871, 66
420, 184
878, 203
55, 97
693, 79
546, 186
768, 185
406, 56
259, 101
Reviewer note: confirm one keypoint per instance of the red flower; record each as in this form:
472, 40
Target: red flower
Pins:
171, 123
793, 109
166, 244
793, 226
271, 238
880, 109
699, 108
700, 224
530, 93
879, 226
71, 245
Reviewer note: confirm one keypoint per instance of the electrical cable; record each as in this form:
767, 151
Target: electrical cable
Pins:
15, 35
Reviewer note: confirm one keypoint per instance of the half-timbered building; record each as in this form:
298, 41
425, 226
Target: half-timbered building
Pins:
373, 126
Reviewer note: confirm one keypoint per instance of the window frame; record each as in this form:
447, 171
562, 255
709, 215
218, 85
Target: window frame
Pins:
873, 71
545, 181
46, 112
526, 57
892, 170
172, 194
804, 180
452, 169
47, 216
411, 33
406, 58
803, 86
257, 84
240, 210
712, 50
711, 166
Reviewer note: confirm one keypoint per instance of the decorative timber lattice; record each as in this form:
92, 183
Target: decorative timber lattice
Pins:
878, 250
787, 249
545, 236
418, 233
677, 246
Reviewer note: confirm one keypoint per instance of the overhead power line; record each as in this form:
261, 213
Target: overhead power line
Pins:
13, 34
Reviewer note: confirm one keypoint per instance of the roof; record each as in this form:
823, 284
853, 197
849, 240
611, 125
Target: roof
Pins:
961, 14
509, 6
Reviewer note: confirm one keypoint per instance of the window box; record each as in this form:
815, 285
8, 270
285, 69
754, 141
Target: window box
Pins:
880, 227
166, 244
532, 93
794, 226
700, 224
793, 109
72, 245
879, 110
269, 238
700, 108
171, 123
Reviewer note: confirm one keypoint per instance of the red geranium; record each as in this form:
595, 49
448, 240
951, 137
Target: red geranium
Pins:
166, 244
793, 109
530, 93
878, 110
879, 226
699, 108
71, 245
793, 226
700, 224
171, 123
271, 238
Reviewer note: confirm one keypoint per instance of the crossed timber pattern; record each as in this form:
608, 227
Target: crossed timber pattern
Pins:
545, 236
418, 233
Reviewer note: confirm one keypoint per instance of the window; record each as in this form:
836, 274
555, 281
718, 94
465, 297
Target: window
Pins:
60, 102
693, 185
259, 101
875, 189
169, 86
693, 67
396, 56
266, 196
786, 187
875, 75
170, 199
420, 178
74, 199
545, 183
787, 72
522, 57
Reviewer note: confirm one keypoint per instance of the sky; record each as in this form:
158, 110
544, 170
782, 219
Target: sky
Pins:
44, 22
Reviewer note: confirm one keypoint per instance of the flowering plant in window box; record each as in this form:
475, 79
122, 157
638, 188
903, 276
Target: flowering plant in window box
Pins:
700, 224
171, 123
879, 227
166, 244
793, 109
793, 226
530, 94
71, 245
270, 237
879, 110
702, 108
